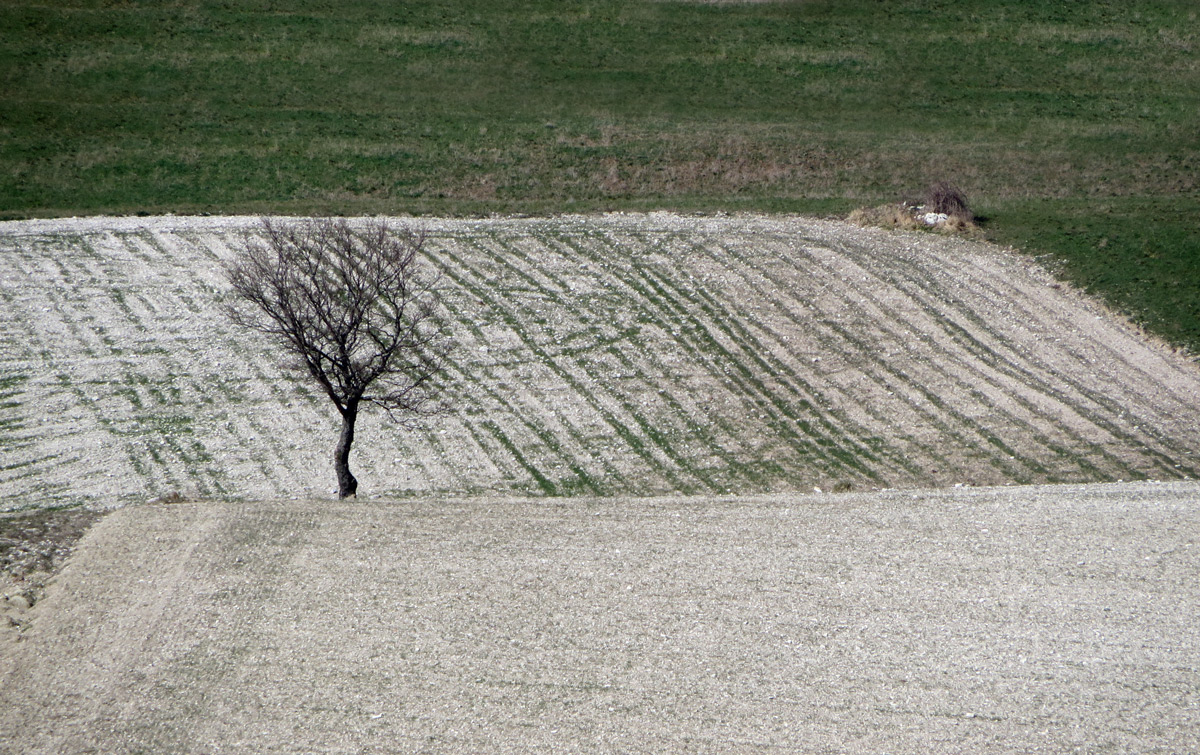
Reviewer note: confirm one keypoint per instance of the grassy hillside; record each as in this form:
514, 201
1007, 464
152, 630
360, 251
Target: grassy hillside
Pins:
1071, 126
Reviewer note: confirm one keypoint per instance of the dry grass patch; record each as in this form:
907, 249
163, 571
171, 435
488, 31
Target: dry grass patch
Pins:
897, 217
944, 209
907, 217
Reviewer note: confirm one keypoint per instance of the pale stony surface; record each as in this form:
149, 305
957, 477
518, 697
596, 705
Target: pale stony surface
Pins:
1033, 619
604, 361
601, 355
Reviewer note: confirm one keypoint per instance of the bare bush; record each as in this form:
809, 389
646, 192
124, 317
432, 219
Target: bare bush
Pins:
947, 199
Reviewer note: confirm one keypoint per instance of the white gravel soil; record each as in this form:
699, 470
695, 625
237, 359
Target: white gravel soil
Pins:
611, 544
608, 355
1043, 619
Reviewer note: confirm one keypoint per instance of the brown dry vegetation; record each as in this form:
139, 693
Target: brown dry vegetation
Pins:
904, 217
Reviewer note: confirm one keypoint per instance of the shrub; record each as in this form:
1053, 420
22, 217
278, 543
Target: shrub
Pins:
945, 209
948, 199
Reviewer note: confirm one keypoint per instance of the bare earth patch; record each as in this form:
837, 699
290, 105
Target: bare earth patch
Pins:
33, 547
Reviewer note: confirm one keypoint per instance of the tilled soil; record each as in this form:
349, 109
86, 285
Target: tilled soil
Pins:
1033, 619
618, 355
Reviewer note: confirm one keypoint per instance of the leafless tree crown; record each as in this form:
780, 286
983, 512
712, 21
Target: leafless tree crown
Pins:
353, 306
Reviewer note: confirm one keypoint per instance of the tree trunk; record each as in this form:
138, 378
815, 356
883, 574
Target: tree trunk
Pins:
347, 485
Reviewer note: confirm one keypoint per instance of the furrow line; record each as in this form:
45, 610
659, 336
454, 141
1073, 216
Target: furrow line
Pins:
1134, 373
666, 384
651, 309
921, 402
481, 382
1020, 382
734, 468
603, 382
464, 275
738, 329
622, 355
281, 469
639, 297
707, 318
47, 343
543, 433
506, 257
437, 464
1027, 309
696, 334
537, 429
1032, 376
502, 459
811, 329
868, 306
1128, 376
547, 487
940, 353
160, 283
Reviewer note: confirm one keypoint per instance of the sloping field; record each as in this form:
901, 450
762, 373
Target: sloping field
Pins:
1056, 619
614, 355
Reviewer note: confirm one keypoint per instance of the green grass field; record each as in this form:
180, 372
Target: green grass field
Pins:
1071, 126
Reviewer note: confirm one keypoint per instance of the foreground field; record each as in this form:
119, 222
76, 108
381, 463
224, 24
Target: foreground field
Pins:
611, 355
1058, 619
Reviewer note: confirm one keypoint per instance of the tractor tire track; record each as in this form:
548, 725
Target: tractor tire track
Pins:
1026, 380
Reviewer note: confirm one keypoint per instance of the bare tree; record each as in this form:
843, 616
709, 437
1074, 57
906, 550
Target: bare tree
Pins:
355, 309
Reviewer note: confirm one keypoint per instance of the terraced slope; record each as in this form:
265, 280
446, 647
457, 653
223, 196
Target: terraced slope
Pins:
614, 355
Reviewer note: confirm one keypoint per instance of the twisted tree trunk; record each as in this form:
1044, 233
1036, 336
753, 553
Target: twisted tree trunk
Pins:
347, 484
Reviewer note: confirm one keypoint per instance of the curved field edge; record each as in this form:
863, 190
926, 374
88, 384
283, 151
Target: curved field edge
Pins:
615, 355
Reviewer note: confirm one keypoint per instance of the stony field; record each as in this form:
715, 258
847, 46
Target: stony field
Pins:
689, 381
1056, 619
619, 355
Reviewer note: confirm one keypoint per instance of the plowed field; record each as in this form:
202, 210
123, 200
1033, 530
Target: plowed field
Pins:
610, 355
1055, 619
